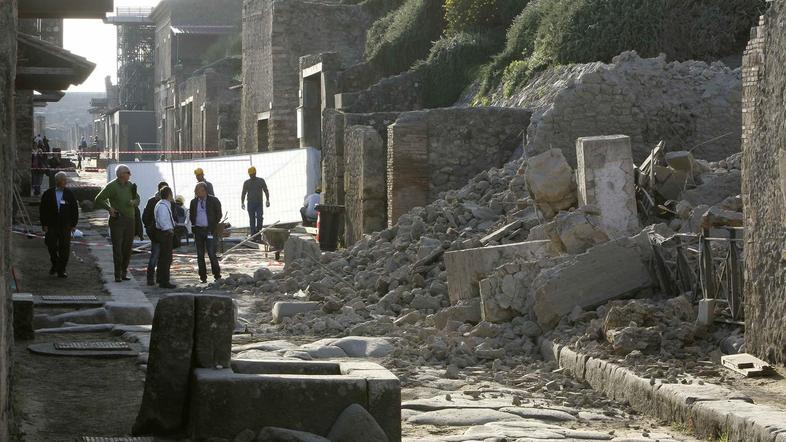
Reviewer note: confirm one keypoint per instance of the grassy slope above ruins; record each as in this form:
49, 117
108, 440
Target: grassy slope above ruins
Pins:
556, 32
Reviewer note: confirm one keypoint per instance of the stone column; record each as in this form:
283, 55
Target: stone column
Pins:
605, 180
407, 165
364, 183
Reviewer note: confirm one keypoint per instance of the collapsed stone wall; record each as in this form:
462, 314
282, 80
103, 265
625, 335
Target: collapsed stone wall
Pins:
688, 104
763, 189
437, 150
8, 25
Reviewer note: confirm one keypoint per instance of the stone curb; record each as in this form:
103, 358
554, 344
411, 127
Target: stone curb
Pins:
710, 411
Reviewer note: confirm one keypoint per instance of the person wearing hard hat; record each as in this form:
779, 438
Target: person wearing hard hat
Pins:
255, 187
309, 210
200, 177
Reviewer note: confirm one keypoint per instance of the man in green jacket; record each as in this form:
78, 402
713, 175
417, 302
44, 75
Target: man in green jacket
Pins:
119, 199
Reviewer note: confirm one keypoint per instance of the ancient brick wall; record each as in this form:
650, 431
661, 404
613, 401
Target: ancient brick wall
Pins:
366, 193
764, 188
334, 124
276, 34
436, 150
8, 25
690, 105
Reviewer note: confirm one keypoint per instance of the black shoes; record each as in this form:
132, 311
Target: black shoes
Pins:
167, 286
52, 270
151, 282
126, 278
62, 275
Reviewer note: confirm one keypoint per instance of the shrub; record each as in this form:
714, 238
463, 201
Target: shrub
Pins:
480, 16
452, 64
404, 35
552, 32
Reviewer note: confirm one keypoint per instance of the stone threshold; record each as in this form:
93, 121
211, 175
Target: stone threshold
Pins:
710, 411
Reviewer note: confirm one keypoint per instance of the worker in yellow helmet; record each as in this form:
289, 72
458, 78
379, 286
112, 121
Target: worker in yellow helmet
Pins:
200, 177
255, 187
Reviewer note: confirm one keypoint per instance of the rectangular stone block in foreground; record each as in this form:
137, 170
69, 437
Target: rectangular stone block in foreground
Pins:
303, 396
604, 176
23, 316
467, 267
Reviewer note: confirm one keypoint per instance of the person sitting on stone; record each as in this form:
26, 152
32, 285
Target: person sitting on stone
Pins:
309, 210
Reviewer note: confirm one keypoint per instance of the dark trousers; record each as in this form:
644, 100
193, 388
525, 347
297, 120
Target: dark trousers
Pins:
255, 217
204, 244
308, 222
37, 178
58, 241
155, 252
164, 257
121, 229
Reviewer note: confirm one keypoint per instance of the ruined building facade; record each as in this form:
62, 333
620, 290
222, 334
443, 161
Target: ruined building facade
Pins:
764, 187
192, 104
276, 33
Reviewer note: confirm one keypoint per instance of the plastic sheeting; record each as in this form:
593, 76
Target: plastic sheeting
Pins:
290, 176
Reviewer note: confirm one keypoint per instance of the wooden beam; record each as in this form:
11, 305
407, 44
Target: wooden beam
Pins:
64, 8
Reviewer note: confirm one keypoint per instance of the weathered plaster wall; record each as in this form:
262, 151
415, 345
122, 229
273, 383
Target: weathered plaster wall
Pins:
436, 150
276, 33
764, 187
687, 104
8, 25
23, 108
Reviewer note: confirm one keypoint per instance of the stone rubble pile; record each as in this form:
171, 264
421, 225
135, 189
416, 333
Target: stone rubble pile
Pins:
474, 278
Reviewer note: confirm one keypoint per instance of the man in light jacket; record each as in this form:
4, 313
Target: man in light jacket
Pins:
165, 230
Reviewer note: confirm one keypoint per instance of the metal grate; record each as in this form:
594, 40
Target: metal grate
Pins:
92, 346
116, 439
58, 298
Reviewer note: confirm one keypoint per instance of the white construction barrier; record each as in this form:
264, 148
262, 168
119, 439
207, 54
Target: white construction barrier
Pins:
290, 176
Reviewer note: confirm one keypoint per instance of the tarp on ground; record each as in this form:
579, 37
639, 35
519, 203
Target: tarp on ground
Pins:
290, 176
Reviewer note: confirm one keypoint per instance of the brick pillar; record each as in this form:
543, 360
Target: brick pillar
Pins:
605, 179
364, 183
407, 165
23, 108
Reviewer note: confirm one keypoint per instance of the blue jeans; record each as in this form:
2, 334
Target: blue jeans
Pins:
255, 217
204, 244
155, 252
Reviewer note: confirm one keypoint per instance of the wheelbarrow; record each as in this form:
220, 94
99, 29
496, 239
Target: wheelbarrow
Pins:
276, 237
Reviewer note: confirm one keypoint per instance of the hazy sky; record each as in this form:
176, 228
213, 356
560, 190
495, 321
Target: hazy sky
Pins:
96, 41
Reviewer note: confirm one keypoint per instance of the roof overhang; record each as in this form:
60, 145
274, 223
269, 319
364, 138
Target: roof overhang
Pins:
64, 8
48, 97
44, 66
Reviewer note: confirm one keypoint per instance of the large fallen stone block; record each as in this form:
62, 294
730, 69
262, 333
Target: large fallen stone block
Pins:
301, 246
214, 322
505, 294
574, 232
301, 396
467, 267
605, 179
164, 402
285, 309
551, 182
605, 272
465, 311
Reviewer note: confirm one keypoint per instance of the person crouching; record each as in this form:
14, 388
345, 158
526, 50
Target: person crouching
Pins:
165, 226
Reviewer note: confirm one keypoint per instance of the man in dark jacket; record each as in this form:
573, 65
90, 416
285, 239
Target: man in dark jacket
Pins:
149, 221
59, 215
205, 214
